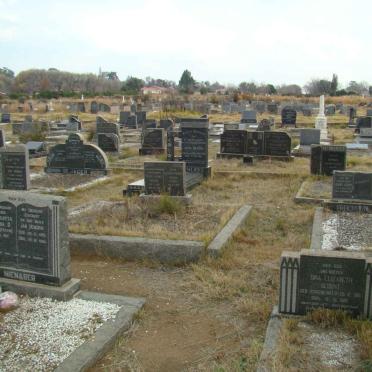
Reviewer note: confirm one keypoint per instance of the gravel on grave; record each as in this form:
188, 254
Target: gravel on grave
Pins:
351, 231
42, 332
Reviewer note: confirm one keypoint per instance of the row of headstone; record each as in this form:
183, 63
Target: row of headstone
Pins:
243, 142
325, 159
99, 107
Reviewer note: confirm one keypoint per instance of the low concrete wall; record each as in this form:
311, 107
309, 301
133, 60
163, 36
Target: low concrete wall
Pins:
305, 199
164, 251
223, 237
317, 234
131, 248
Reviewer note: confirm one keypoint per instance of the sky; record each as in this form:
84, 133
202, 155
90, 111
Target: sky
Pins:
229, 41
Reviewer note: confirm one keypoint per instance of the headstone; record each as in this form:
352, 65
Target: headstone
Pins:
352, 185
170, 144
141, 117
108, 142
289, 116
194, 134
75, 157
363, 122
309, 136
272, 108
234, 142
327, 158
165, 177
249, 116
14, 168
277, 144
256, 143
152, 141
123, 118
315, 279
369, 112
29, 127
81, 107
330, 110
34, 238
5, 118
94, 107
149, 124
264, 125
132, 122
166, 123
365, 132
103, 126
103, 107
2, 138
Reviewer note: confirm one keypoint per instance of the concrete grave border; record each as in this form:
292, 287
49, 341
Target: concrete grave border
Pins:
164, 251
86, 355
317, 231
306, 199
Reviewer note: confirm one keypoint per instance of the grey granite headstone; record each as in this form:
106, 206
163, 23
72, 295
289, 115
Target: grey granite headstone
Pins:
75, 157
309, 136
165, 177
249, 116
132, 122
34, 238
14, 168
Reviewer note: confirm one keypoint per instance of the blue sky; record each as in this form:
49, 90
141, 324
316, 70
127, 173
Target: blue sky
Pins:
272, 41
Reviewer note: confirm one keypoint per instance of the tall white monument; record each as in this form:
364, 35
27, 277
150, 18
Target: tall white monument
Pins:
321, 120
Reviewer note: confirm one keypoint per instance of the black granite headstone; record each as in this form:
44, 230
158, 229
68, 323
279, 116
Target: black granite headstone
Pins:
123, 117
277, 144
108, 142
327, 158
132, 122
2, 138
352, 185
170, 144
234, 142
5, 118
256, 143
289, 116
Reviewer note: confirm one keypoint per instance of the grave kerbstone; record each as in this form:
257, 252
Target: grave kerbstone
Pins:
34, 238
14, 168
75, 157
165, 177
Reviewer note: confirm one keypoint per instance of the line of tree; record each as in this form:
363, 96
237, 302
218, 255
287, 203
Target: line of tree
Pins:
55, 83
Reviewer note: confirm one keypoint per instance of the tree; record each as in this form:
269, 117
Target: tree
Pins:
360, 88
271, 89
317, 87
187, 82
245, 87
289, 90
334, 84
133, 85
7, 72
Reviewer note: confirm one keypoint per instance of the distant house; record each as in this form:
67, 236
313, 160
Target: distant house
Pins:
154, 90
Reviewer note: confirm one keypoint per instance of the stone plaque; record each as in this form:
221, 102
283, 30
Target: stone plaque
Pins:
277, 144
256, 143
194, 133
34, 238
309, 136
352, 185
165, 177
333, 280
14, 168
75, 157
108, 142
289, 116
234, 142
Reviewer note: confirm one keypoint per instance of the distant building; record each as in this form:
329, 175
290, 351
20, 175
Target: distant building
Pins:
155, 90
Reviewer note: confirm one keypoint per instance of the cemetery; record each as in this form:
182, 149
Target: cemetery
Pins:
186, 213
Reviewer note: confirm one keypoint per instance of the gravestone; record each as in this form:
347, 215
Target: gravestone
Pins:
132, 122
152, 141
5, 118
81, 107
234, 142
166, 123
170, 144
289, 116
277, 144
29, 128
94, 107
363, 122
352, 185
272, 108
194, 134
108, 142
34, 238
149, 124
365, 132
103, 107
2, 138
141, 117
249, 116
75, 157
327, 158
103, 126
14, 168
330, 110
123, 117
165, 177
264, 125
314, 279
309, 136
369, 112
256, 143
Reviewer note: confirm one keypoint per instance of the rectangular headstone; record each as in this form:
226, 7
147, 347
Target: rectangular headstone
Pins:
34, 238
234, 142
5, 118
165, 177
365, 132
153, 138
309, 136
352, 185
249, 116
327, 158
289, 116
108, 142
123, 118
14, 168
277, 144
256, 143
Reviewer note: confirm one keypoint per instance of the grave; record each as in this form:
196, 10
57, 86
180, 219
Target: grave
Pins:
75, 157
132, 122
313, 279
165, 177
108, 142
289, 116
5, 118
170, 144
321, 120
94, 107
272, 108
277, 144
264, 125
249, 116
308, 137
352, 185
363, 122
166, 123
152, 141
14, 168
141, 117
194, 134
123, 117
234, 142
29, 127
2, 138
103, 126
103, 107
36, 149
327, 158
